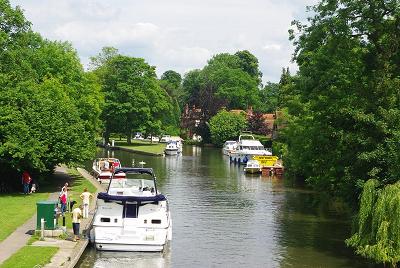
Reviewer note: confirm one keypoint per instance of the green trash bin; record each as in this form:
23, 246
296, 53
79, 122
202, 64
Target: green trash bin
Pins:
45, 210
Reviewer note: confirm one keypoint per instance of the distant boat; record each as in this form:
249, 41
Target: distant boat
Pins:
103, 169
252, 167
246, 148
229, 146
171, 148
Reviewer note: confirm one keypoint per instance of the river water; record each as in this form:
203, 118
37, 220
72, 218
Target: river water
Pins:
224, 218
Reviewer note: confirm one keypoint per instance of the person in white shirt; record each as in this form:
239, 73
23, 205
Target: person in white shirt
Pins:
76, 221
86, 196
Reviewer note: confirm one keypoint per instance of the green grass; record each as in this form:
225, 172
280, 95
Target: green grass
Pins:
29, 256
16, 209
35, 237
143, 146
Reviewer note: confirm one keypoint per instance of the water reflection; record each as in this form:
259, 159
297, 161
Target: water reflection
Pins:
106, 259
222, 217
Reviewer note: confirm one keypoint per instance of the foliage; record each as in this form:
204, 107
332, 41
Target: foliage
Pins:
50, 107
226, 126
377, 235
227, 80
30, 256
269, 96
171, 82
344, 103
134, 100
257, 125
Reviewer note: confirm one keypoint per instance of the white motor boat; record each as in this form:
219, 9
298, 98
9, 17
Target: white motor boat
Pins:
247, 147
252, 167
229, 146
171, 148
132, 215
103, 169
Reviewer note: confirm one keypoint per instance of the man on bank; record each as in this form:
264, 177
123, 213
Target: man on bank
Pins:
85, 196
76, 221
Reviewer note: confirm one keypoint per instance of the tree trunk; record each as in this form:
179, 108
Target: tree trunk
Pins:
129, 137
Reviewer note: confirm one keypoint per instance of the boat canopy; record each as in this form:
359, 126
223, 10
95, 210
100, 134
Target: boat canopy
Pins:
134, 171
107, 197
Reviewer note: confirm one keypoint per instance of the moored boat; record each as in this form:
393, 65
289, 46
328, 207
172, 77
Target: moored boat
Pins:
252, 167
247, 147
132, 215
103, 169
229, 147
171, 148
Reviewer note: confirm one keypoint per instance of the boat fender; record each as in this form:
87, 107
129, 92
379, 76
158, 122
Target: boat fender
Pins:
91, 236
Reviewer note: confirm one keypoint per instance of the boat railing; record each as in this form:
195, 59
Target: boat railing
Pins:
243, 137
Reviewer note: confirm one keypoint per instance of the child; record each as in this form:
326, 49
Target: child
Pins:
33, 188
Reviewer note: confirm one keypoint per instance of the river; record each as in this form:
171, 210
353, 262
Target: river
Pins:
224, 218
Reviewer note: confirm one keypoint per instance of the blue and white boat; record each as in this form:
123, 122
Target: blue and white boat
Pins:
247, 147
132, 215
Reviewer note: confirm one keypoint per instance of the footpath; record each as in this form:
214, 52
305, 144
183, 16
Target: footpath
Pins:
69, 252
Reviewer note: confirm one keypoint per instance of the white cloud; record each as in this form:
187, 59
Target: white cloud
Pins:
272, 47
177, 35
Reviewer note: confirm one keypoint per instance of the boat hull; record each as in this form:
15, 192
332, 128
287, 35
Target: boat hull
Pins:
171, 152
252, 170
128, 247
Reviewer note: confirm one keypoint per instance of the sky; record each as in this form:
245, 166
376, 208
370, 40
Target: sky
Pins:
179, 35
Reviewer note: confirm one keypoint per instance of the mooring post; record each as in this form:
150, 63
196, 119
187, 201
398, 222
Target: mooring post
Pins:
42, 221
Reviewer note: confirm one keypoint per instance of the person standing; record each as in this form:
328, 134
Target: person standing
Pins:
63, 201
64, 192
76, 221
26, 180
85, 196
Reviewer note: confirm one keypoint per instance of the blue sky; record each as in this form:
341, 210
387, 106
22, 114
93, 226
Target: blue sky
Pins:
171, 34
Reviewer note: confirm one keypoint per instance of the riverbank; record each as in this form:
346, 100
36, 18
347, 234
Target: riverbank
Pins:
140, 147
62, 252
70, 252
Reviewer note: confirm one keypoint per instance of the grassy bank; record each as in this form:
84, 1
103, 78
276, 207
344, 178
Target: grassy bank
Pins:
142, 146
16, 209
30, 256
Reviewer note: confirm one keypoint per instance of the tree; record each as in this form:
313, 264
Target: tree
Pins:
106, 54
226, 126
269, 96
249, 63
257, 124
171, 82
377, 226
348, 83
134, 99
49, 106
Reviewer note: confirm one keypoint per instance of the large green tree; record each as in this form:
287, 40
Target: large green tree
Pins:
230, 81
171, 82
348, 85
226, 126
133, 98
49, 106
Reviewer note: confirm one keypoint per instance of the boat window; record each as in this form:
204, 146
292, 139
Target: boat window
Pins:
130, 211
156, 221
105, 220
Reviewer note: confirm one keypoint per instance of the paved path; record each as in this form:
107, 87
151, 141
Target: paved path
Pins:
69, 252
21, 235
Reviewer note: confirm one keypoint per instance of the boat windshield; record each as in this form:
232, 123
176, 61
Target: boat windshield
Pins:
133, 184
